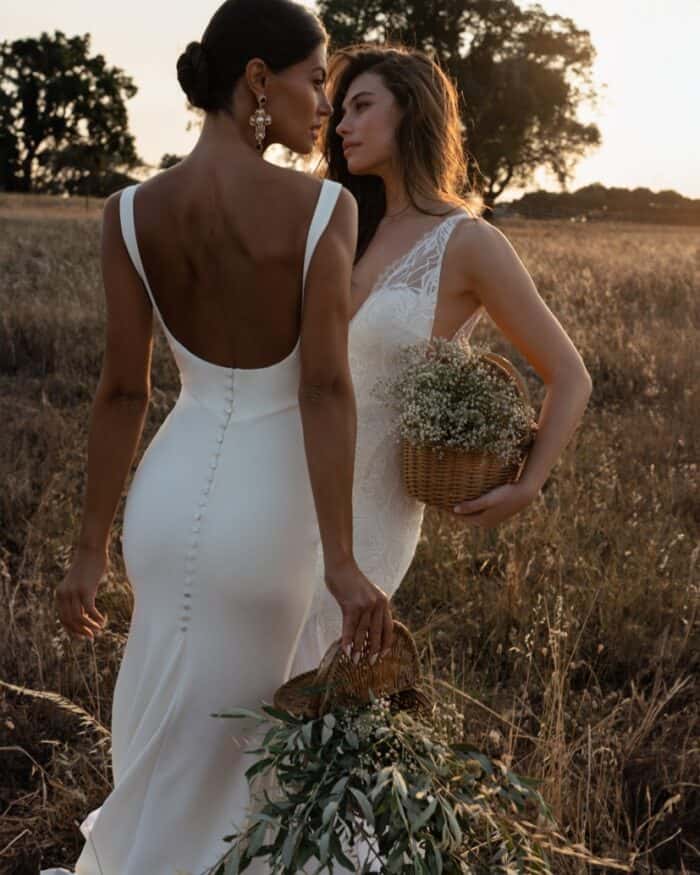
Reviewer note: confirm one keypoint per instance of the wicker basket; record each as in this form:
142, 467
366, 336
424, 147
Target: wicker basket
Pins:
339, 682
444, 476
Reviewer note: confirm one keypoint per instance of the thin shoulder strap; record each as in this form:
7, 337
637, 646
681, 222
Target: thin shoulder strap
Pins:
327, 199
466, 327
126, 216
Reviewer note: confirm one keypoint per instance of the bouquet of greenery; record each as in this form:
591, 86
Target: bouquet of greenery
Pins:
426, 802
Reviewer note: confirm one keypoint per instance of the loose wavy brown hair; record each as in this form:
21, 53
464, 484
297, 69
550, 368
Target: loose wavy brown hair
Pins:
429, 135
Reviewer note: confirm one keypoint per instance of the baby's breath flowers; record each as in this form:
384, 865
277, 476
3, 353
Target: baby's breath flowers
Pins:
423, 800
448, 396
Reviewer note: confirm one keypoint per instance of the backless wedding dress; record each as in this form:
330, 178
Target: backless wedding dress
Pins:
220, 542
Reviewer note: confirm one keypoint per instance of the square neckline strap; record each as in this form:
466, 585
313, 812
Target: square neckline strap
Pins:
329, 191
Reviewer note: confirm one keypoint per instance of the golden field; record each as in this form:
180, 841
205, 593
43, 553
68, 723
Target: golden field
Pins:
569, 635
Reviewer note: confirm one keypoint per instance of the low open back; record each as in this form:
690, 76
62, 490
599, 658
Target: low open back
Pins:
325, 204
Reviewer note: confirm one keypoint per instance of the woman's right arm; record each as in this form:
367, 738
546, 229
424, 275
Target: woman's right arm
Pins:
328, 414
117, 417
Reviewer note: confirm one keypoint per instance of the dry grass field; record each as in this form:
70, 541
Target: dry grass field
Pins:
569, 635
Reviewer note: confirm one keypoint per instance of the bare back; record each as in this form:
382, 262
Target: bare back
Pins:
224, 261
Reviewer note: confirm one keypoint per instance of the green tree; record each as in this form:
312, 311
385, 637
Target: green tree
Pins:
522, 76
63, 118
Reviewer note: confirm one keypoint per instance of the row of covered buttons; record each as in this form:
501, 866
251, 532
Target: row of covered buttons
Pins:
191, 555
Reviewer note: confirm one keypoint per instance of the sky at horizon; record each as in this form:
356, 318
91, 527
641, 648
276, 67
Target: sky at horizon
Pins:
646, 71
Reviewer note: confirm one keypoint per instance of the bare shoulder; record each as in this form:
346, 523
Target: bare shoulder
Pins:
346, 207
156, 185
111, 232
110, 209
164, 183
477, 246
475, 234
336, 247
301, 186
343, 219
307, 183
112, 206
305, 188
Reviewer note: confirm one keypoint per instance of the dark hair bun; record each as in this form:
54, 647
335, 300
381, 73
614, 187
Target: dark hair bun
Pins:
193, 75
281, 32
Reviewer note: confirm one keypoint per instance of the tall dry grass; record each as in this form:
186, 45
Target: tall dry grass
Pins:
568, 635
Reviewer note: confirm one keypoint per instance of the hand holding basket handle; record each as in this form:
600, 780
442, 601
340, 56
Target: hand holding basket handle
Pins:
367, 620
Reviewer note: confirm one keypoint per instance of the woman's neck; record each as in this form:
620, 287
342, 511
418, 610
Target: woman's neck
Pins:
397, 199
398, 202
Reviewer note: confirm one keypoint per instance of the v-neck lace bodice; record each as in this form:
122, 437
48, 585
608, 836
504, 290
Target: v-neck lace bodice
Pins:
398, 263
413, 280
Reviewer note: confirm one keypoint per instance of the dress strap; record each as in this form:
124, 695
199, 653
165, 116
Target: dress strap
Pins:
465, 330
327, 199
126, 216
463, 333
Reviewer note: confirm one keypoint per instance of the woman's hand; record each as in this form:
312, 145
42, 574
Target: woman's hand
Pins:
496, 505
75, 595
366, 611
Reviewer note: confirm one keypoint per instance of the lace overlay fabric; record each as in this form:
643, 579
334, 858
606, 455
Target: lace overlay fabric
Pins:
400, 310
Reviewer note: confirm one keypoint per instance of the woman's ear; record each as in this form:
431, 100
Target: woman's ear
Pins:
256, 76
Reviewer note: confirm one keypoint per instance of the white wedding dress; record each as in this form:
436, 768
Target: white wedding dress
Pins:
220, 542
399, 310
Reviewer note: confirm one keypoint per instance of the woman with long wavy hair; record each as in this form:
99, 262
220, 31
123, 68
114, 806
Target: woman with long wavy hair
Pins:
427, 264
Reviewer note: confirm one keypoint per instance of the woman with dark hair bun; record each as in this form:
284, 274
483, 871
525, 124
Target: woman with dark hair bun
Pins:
246, 266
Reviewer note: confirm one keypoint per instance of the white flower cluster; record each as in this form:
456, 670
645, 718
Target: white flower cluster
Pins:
368, 719
448, 722
447, 395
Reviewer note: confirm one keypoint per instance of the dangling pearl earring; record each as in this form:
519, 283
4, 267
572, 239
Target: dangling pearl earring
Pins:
260, 120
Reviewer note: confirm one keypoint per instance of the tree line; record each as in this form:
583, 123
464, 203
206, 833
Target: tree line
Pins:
522, 75
597, 202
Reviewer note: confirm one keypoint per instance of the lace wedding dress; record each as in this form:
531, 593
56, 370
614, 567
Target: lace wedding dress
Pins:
399, 310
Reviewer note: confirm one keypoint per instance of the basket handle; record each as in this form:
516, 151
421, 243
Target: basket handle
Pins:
509, 368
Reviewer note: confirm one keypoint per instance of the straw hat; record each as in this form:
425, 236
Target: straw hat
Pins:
339, 682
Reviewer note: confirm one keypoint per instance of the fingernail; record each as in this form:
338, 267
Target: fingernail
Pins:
356, 657
346, 650
373, 658
385, 652
457, 509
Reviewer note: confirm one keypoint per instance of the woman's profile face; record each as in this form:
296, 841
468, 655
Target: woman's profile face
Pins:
298, 104
369, 120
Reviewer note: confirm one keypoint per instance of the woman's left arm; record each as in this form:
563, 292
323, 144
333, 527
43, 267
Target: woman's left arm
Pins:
500, 281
